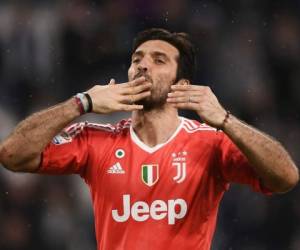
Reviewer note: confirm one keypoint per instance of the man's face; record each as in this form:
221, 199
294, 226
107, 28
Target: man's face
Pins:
157, 61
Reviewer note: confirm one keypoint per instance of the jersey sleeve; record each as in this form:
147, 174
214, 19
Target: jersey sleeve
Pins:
235, 167
67, 153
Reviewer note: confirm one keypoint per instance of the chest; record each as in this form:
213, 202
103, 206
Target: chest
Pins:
165, 183
174, 170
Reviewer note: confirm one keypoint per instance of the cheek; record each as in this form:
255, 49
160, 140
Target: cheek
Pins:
167, 75
131, 73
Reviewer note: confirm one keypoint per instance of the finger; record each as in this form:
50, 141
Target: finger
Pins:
176, 94
185, 93
179, 99
134, 82
141, 95
137, 89
186, 99
185, 105
188, 87
134, 98
112, 81
132, 107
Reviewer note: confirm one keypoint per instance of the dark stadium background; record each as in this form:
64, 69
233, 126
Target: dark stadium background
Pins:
249, 53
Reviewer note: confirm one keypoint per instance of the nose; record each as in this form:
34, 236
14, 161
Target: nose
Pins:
143, 66
142, 69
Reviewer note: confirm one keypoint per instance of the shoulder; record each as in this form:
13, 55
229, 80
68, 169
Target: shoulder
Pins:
193, 126
103, 128
202, 133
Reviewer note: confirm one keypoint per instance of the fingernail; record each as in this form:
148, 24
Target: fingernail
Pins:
112, 81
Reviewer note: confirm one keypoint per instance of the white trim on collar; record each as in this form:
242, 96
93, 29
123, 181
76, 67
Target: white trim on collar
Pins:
149, 149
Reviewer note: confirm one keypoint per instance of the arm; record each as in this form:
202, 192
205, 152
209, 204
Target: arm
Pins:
269, 159
21, 151
267, 156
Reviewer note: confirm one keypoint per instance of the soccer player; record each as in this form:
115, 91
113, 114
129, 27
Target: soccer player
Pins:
156, 179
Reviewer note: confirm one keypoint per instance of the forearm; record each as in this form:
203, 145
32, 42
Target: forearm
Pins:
22, 149
270, 160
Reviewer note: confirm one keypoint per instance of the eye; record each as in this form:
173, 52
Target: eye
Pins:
135, 60
159, 61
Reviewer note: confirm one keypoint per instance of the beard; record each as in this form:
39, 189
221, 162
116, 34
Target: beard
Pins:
159, 94
159, 91
156, 100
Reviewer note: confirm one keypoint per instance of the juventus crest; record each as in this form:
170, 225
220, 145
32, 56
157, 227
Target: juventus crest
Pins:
179, 162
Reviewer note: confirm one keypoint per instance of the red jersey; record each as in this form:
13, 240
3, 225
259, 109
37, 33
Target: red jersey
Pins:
162, 197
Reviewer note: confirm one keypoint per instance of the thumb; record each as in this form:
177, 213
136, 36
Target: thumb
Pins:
112, 81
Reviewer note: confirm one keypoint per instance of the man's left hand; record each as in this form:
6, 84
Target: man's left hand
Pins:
200, 99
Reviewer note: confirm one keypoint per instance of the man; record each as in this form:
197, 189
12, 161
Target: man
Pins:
156, 179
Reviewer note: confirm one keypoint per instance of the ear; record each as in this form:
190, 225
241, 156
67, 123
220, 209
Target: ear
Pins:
183, 82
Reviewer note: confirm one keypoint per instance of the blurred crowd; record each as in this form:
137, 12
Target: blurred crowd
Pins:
248, 53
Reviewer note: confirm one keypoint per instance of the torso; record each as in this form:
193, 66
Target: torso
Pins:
165, 197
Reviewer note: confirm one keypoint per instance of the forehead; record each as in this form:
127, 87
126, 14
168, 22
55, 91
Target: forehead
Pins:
164, 47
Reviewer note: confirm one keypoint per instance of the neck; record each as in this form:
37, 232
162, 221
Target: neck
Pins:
155, 126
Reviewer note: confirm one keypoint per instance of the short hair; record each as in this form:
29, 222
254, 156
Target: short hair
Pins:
186, 61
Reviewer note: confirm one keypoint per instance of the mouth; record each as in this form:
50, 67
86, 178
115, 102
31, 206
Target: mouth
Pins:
147, 77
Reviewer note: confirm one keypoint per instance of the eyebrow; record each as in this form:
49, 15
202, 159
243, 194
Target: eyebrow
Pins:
155, 53
137, 53
160, 54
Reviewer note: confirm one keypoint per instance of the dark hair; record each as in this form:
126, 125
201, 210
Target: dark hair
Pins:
181, 41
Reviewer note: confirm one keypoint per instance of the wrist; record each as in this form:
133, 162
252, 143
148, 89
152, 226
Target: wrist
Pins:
84, 103
230, 124
71, 109
225, 121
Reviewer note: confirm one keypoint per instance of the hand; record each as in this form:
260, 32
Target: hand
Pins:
119, 97
198, 98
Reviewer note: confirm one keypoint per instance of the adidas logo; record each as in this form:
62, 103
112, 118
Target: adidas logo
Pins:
116, 169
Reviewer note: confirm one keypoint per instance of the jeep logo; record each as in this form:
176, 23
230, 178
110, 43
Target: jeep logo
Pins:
158, 210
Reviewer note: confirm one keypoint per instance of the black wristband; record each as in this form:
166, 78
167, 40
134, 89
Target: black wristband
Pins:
89, 99
224, 121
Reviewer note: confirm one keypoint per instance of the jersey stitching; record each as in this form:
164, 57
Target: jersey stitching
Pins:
191, 124
77, 128
196, 127
187, 125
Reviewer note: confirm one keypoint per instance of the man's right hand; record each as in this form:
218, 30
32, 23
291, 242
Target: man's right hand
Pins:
119, 97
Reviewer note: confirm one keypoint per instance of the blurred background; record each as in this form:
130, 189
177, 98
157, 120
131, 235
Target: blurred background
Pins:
248, 53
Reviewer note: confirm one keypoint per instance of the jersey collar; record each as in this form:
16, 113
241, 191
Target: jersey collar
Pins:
149, 149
